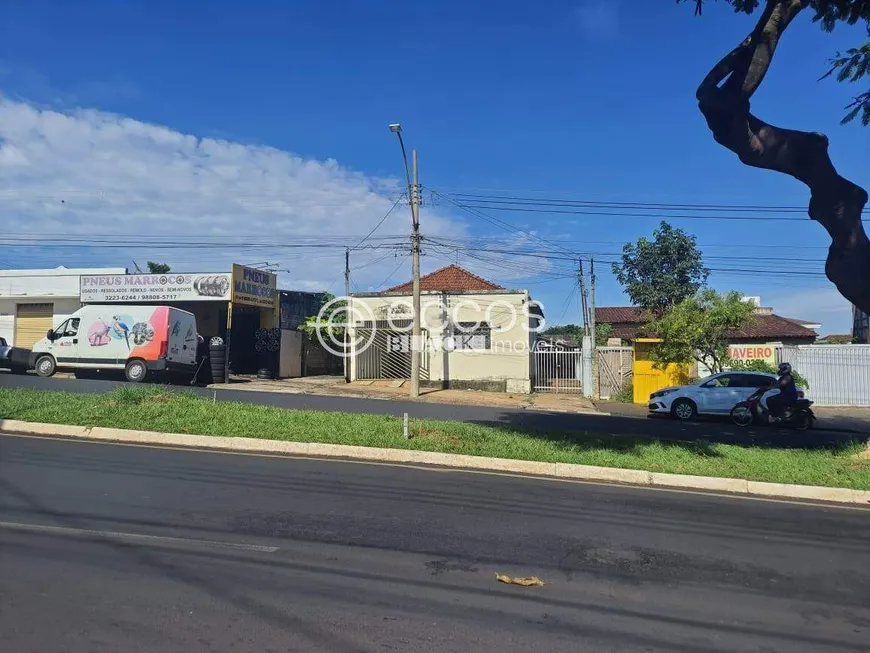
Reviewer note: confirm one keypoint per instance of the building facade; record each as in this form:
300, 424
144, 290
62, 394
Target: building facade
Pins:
475, 334
34, 301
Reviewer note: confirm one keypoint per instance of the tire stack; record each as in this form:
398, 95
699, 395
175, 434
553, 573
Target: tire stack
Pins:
217, 358
267, 344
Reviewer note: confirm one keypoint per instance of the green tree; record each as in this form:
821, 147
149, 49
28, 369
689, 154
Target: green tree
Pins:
330, 322
724, 98
763, 366
158, 268
697, 329
660, 273
603, 331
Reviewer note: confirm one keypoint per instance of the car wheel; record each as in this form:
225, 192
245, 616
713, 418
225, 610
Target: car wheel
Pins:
136, 371
45, 366
684, 409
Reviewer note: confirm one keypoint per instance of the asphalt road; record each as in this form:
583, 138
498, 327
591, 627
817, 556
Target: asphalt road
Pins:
120, 548
718, 431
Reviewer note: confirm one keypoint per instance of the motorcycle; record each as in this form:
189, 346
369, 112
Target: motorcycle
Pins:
800, 416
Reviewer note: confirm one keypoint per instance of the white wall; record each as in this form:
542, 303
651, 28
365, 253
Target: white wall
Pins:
63, 308
59, 286
506, 360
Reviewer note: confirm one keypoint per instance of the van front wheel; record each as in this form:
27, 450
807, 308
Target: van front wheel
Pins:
136, 371
45, 366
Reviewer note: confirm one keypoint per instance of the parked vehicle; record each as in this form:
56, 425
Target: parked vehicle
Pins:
752, 411
13, 358
137, 339
713, 395
5, 354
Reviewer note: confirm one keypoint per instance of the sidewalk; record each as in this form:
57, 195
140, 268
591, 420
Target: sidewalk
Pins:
398, 390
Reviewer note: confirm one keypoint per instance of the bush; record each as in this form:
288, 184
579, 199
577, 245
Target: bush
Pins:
770, 368
626, 395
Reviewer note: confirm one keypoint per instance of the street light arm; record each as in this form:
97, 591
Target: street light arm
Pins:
405, 161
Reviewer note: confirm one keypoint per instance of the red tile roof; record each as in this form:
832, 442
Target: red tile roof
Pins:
451, 278
628, 324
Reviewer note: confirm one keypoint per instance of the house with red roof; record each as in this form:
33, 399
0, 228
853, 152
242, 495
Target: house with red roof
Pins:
476, 334
757, 340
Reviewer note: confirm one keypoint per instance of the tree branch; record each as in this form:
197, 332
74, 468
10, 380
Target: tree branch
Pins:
835, 202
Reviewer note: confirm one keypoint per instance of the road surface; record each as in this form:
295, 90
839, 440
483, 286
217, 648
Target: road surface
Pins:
122, 548
519, 419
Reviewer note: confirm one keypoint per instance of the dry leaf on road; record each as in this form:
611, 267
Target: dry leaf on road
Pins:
529, 581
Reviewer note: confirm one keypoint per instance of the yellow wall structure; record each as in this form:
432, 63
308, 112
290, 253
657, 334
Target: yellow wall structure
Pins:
647, 378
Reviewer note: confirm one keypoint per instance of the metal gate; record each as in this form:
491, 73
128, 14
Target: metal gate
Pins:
839, 375
388, 356
614, 369
558, 370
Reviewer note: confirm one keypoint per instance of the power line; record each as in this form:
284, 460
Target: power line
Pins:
501, 198
637, 215
386, 215
501, 223
401, 263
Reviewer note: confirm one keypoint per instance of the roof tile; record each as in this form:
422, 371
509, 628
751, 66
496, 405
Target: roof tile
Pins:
451, 278
628, 323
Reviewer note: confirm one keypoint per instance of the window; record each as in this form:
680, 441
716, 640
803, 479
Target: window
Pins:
724, 381
472, 336
757, 381
3, 342
68, 329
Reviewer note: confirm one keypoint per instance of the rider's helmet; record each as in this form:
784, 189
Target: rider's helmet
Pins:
783, 369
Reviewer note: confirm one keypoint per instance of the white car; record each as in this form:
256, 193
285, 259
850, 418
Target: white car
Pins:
713, 395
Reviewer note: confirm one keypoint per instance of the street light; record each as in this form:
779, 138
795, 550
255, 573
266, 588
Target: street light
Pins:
414, 198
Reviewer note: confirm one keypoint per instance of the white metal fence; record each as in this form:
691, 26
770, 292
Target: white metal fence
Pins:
558, 370
838, 375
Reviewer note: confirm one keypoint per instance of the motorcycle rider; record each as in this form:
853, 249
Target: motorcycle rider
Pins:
788, 394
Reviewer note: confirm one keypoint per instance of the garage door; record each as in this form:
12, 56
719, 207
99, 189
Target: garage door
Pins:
31, 323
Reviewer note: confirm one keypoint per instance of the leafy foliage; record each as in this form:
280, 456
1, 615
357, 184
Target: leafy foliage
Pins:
158, 268
331, 322
625, 395
770, 368
602, 332
696, 329
661, 273
850, 67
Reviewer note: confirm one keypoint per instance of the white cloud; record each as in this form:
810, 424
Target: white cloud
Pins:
105, 176
825, 305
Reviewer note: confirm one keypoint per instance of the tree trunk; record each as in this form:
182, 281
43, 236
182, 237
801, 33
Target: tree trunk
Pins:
835, 202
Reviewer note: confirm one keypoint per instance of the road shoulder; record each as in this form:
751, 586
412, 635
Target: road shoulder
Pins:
414, 457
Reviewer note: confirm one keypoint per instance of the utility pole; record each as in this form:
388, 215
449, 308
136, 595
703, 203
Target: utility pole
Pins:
414, 199
416, 340
347, 311
595, 388
584, 305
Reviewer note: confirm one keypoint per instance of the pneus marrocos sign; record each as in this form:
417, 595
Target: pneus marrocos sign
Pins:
254, 287
154, 287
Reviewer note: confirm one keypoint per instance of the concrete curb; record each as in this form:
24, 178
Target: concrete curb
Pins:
410, 456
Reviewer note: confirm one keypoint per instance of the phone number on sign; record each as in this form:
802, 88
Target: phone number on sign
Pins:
142, 298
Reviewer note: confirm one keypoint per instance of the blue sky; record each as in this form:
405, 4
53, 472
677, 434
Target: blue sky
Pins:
584, 99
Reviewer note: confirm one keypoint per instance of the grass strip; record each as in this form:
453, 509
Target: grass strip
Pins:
155, 409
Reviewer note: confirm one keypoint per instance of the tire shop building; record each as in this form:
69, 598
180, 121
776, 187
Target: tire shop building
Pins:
241, 307
34, 301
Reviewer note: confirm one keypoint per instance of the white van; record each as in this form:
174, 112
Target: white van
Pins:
136, 339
